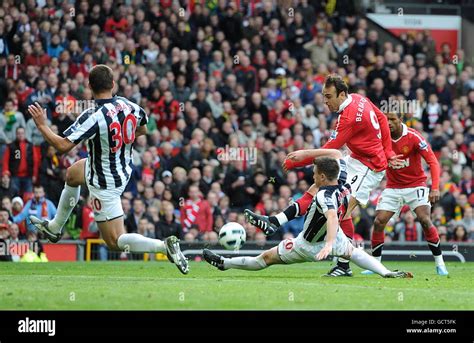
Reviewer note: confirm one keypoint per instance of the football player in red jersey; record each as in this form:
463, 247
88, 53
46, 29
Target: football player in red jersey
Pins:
364, 129
406, 185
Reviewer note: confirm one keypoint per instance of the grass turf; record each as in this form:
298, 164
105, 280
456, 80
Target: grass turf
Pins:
160, 286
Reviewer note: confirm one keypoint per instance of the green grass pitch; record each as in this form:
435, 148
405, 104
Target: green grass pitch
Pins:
160, 286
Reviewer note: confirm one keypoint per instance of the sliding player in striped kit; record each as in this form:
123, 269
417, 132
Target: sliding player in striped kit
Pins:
321, 235
109, 128
406, 185
364, 129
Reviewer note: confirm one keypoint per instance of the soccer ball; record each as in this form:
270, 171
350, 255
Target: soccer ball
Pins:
232, 236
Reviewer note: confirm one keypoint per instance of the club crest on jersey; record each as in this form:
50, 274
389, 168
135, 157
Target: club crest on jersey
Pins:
423, 145
405, 149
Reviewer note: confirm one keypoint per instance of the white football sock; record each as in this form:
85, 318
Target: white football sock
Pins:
378, 258
439, 261
67, 202
245, 263
134, 242
282, 218
365, 261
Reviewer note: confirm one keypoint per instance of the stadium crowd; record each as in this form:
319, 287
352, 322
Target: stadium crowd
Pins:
230, 88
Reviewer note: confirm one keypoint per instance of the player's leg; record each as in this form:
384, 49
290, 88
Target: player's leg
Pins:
344, 248
362, 181
75, 177
378, 235
382, 218
270, 224
114, 235
364, 260
260, 262
431, 234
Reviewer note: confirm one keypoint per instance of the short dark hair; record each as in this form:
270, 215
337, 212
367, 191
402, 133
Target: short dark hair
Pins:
101, 78
400, 115
327, 166
337, 82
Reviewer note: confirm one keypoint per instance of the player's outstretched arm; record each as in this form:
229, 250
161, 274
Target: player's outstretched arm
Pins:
303, 158
332, 225
38, 114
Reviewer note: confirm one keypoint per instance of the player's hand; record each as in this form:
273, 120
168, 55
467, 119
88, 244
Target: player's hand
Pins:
325, 251
38, 114
294, 156
396, 161
434, 196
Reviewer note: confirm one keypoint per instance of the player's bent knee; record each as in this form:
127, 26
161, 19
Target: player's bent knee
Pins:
379, 224
271, 257
112, 242
70, 176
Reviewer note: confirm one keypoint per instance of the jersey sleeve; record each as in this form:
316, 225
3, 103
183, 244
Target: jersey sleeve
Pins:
341, 135
325, 200
143, 117
85, 127
428, 155
342, 179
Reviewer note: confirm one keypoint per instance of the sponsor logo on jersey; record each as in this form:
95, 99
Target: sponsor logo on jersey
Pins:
405, 163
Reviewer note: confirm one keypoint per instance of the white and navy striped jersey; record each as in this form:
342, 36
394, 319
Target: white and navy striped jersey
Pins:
328, 197
109, 129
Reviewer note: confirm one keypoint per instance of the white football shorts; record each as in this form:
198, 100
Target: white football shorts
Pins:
362, 179
106, 203
393, 199
297, 250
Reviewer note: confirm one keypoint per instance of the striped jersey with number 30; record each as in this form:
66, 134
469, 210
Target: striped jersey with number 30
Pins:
109, 129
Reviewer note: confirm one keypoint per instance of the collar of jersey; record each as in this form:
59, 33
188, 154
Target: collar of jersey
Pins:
329, 187
103, 101
404, 133
345, 103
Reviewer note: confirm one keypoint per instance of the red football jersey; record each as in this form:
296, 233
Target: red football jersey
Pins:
413, 147
364, 128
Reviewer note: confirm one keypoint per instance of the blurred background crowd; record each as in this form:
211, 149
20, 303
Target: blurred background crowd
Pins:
230, 88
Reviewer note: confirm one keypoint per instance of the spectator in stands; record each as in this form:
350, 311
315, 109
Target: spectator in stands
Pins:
39, 206
138, 212
7, 188
197, 211
18, 161
51, 174
460, 234
408, 230
10, 120
168, 225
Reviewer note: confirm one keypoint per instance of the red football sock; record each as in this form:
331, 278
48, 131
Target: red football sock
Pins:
304, 203
378, 237
431, 235
347, 227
